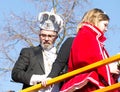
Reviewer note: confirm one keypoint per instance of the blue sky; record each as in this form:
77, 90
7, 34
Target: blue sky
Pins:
111, 7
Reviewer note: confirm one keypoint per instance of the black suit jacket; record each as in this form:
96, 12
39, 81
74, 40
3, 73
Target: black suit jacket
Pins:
29, 62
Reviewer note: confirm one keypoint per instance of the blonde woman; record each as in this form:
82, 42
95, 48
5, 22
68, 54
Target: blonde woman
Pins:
87, 48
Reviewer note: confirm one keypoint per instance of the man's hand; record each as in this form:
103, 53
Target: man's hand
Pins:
44, 82
35, 79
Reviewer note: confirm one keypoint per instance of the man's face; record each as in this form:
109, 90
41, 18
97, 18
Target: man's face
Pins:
47, 38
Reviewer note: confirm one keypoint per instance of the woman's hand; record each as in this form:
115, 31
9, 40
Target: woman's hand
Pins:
118, 65
114, 68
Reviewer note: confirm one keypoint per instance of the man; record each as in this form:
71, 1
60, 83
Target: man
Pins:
35, 63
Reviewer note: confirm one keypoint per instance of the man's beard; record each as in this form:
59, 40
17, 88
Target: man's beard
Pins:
46, 46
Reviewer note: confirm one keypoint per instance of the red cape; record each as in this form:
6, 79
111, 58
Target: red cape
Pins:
88, 48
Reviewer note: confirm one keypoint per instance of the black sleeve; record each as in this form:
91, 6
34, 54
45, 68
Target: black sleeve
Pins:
19, 70
62, 58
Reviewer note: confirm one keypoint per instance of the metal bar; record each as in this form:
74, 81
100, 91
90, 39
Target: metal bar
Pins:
109, 88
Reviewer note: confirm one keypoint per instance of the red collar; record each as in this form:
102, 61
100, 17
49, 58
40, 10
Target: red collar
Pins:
95, 29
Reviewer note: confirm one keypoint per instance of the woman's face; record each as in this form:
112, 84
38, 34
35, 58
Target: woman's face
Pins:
103, 25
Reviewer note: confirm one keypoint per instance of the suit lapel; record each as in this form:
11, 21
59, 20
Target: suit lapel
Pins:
39, 56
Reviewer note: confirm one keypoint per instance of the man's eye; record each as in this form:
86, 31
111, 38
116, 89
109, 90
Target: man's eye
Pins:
43, 35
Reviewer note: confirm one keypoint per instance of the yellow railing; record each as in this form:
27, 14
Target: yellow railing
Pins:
109, 88
75, 72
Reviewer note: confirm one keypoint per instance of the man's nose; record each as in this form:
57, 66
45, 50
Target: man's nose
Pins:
46, 38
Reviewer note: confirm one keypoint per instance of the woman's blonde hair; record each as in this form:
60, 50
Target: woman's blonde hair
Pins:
93, 17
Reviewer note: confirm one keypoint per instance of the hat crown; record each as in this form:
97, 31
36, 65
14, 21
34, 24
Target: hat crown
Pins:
50, 21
